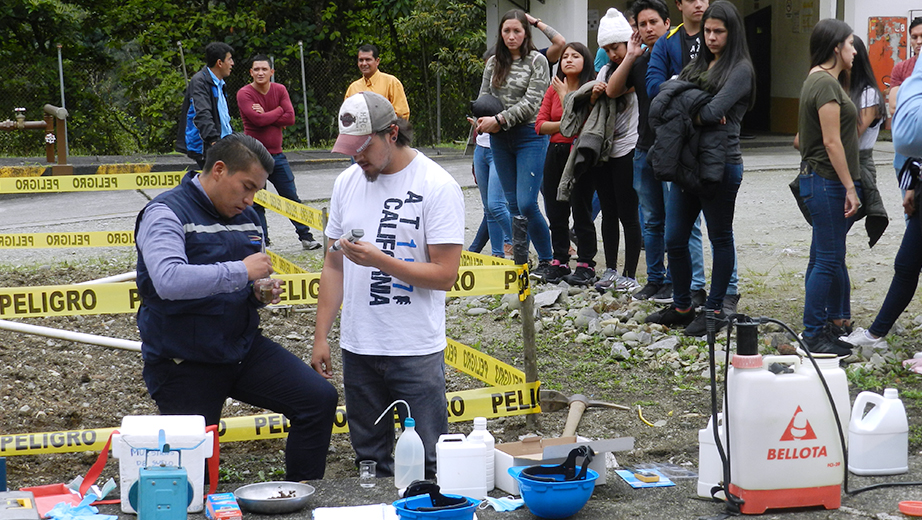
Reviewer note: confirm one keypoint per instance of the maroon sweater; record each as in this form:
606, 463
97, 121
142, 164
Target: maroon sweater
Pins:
277, 114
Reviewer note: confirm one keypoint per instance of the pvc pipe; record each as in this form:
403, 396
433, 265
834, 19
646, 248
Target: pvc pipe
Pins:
68, 335
124, 277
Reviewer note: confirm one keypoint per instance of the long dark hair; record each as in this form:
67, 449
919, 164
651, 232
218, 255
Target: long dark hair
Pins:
828, 35
862, 78
587, 74
503, 57
735, 53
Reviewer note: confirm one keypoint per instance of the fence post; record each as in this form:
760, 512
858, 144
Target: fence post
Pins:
438, 109
307, 125
63, 105
182, 59
520, 256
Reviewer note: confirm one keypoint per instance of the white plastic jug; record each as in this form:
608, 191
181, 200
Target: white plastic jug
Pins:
461, 466
710, 467
481, 434
878, 441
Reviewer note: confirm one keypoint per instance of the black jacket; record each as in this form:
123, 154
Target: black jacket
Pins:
691, 156
198, 127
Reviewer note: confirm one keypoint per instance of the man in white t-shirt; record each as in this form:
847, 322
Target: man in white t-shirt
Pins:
391, 283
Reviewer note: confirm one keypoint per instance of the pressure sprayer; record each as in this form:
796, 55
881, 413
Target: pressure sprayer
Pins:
409, 454
781, 440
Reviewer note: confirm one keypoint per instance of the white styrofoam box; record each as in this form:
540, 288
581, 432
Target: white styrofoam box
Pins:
137, 441
532, 451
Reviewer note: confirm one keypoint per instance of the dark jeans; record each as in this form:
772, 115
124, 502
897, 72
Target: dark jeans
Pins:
827, 286
373, 382
614, 182
284, 182
906, 268
682, 210
558, 211
268, 377
518, 154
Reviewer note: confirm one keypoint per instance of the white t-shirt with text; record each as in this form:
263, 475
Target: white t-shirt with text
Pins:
401, 213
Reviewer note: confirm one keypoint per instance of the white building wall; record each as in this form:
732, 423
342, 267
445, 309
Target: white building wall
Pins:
857, 12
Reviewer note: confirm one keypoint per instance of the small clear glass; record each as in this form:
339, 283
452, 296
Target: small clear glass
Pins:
367, 473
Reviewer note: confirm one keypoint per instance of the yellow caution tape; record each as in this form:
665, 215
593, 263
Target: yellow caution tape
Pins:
282, 266
300, 289
469, 258
74, 239
291, 209
479, 280
481, 366
498, 401
69, 183
69, 300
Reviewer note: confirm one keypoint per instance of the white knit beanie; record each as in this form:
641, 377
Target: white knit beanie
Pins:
613, 28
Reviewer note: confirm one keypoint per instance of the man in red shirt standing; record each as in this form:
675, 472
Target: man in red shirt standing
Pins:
266, 109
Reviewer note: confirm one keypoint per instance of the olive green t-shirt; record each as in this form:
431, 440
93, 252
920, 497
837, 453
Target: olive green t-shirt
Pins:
821, 88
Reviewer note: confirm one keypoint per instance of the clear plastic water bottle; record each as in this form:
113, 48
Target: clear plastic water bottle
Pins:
409, 456
481, 434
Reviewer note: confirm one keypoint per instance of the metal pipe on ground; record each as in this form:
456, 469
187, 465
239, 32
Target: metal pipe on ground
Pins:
69, 335
124, 277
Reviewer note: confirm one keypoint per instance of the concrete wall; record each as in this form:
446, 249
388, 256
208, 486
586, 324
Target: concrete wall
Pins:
568, 18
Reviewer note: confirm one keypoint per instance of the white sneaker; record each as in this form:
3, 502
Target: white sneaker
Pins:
859, 337
627, 284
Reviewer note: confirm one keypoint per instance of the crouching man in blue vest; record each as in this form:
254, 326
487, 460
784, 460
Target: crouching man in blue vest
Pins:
199, 251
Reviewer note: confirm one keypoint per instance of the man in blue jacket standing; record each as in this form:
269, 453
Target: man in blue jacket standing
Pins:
204, 117
671, 53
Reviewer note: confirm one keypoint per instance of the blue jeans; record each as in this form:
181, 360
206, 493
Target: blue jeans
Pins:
652, 203
682, 210
268, 377
373, 382
519, 157
906, 268
284, 182
827, 286
495, 211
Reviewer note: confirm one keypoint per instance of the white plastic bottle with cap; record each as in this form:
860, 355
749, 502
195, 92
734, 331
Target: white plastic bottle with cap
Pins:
409, 456
878, 441
481, 434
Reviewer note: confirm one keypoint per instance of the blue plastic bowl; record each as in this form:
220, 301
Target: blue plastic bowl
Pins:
553, 500
406, 509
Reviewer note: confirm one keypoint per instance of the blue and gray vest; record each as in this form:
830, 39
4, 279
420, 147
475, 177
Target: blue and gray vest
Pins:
215, 329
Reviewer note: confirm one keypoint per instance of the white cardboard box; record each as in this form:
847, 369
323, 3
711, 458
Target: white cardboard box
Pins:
138, 435
537, 450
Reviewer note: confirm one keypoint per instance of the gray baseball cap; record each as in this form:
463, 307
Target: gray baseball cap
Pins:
361, 116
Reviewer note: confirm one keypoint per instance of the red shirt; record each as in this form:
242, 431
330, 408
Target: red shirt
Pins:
901, 71
551, 111
277, 114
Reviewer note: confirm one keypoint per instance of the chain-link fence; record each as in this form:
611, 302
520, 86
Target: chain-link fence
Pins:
105, 119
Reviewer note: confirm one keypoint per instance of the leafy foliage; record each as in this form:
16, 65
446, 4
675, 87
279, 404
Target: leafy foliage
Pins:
125, 63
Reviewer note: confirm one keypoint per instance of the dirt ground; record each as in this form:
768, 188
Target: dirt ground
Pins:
52, 385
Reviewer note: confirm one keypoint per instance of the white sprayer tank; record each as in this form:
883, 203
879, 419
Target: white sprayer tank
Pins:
878, 441
785, 448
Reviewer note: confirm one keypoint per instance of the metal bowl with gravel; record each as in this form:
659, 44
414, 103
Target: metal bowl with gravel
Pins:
273, 497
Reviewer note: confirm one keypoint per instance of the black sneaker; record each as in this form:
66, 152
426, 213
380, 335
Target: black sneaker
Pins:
557, 272
670, 316
698, 327
647, 292
539, 273
730, 303
823, 344
583, 275
837, 331
664, 294
698, 297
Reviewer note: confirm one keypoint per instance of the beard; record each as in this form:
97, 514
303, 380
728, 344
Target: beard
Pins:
371, 176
